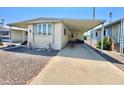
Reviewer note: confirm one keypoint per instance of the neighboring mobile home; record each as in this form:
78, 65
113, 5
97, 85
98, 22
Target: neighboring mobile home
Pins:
18, 35
4, 34
56, 32
13, 34
114, 31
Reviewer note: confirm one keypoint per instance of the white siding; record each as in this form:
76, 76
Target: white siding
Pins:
64, 38
57, 35
30, 35
17, 36
42, 41
115, 30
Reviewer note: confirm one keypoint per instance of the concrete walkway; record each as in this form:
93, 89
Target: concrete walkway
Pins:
79, 65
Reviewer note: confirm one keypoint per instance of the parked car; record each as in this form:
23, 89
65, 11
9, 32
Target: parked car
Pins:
79, 41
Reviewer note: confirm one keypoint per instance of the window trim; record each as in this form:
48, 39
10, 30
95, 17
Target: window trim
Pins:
48, 29
45, 29
36, 28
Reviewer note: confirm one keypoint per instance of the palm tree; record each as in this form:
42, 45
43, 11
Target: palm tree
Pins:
2, 22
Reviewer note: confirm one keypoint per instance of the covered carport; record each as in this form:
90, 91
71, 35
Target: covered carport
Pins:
80, 26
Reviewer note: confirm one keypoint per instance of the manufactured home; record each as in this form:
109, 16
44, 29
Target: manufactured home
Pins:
4, 34
56, 32
114, 31
13, 34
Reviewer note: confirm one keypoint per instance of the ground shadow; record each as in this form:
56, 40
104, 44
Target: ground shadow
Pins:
81, 51
109, 58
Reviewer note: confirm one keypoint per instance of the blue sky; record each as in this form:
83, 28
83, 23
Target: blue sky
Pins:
15, 14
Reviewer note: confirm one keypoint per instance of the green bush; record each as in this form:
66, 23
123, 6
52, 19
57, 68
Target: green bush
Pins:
106, 44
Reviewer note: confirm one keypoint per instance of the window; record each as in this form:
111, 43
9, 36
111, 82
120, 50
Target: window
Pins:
49, 29
96, 34
104, 32
64, 31
43, 29
39, 29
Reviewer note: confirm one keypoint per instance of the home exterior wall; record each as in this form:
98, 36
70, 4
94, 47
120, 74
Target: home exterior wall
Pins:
17, 36
115, 32
42, 41
112, 31
30, 35
98, 37
109, 31
57, 35
64, 38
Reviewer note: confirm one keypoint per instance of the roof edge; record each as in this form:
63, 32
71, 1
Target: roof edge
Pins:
59, 19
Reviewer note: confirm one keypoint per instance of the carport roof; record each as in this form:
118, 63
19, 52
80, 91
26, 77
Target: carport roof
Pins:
72, 24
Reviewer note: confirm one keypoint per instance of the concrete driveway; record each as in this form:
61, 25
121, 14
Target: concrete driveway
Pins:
79, 65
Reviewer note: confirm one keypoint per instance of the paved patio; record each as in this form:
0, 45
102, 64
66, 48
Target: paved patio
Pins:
79, 65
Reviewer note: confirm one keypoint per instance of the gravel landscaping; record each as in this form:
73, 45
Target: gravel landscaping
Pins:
19, 68
32, 51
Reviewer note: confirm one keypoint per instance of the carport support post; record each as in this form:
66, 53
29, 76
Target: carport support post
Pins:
102, 38
122, 37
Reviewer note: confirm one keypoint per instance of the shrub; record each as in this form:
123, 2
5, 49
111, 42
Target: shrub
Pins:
106, 44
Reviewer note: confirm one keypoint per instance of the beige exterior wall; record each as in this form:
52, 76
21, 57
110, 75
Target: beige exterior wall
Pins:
64, 38
115, 32
57, 36
42, 41
18, 36
30, 35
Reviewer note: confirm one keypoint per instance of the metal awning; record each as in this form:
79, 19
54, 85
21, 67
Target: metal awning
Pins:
72, 24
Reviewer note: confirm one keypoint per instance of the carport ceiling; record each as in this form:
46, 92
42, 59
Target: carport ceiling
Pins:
81, 25
72, 24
